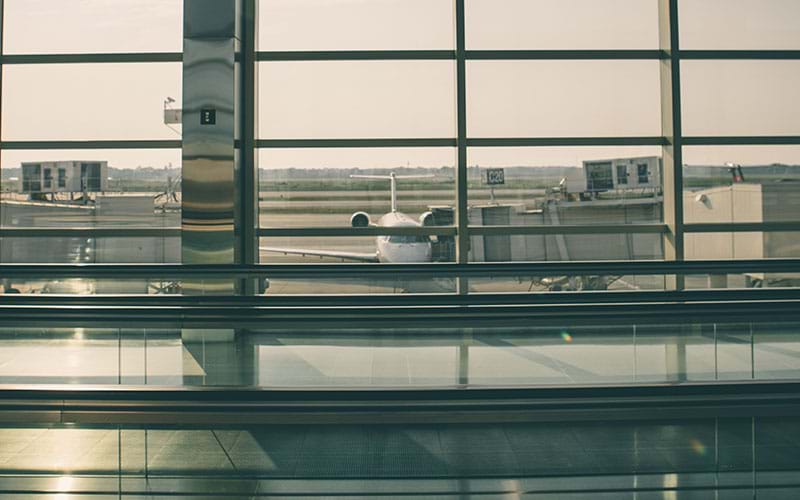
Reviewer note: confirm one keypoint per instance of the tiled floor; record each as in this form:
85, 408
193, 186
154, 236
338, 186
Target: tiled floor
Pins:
564, 460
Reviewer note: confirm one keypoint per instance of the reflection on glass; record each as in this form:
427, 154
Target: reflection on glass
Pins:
83, 286
356, 99
401, 356
726, 457
88, 101
563, 98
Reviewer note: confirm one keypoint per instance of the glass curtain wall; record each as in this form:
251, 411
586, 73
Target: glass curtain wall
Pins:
436, 131
91, 160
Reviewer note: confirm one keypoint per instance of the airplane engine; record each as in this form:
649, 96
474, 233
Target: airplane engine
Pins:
426, 219
360, 219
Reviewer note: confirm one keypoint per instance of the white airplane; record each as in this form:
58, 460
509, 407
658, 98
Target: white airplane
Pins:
389, 249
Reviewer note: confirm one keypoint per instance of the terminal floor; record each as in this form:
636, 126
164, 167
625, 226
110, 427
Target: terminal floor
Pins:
705, 458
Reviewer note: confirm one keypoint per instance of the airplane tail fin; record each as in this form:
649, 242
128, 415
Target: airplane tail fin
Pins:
393, 178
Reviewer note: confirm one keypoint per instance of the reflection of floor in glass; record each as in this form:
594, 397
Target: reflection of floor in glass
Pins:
395, 357
567, 356
673, 458
101, 361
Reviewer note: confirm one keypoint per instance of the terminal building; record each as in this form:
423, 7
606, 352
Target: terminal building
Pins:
63, 177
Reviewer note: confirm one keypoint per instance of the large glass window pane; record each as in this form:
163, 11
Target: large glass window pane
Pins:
728, 184
568, 283
103, 188
373, 99
741, 97
586, 185
363, 250
565, 247
355, 24
560, 24
89, 101
746, 245
563, 98
320, 187
739, 24
92, 26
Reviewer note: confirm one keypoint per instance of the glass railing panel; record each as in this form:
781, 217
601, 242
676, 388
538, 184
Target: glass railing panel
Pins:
399, 357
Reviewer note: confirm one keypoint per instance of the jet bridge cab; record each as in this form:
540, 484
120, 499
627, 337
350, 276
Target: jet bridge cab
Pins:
402, 248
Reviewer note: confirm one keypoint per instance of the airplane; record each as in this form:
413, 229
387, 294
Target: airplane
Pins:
388, 249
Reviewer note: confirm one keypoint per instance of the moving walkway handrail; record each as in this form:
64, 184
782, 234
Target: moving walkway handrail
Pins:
187, 406
395, 316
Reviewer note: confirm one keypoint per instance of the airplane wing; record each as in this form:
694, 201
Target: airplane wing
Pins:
358, 257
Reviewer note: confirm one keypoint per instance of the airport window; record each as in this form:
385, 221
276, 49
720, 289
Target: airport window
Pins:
554, 24
622, 174
740, 97
378, 122
599, 177
311, 25
643, 173
545, 98
747, 24
104, 101
60, 26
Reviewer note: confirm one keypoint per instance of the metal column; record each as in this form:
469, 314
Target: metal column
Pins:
462, 192
672, 158
671, 129
210, 126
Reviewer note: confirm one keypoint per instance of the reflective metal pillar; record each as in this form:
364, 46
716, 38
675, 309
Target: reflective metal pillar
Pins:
211, 123
210, 126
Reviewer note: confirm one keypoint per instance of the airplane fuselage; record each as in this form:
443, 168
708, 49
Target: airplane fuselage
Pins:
402, 249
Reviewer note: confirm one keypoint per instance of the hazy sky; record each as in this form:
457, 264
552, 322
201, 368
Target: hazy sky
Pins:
414, 99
